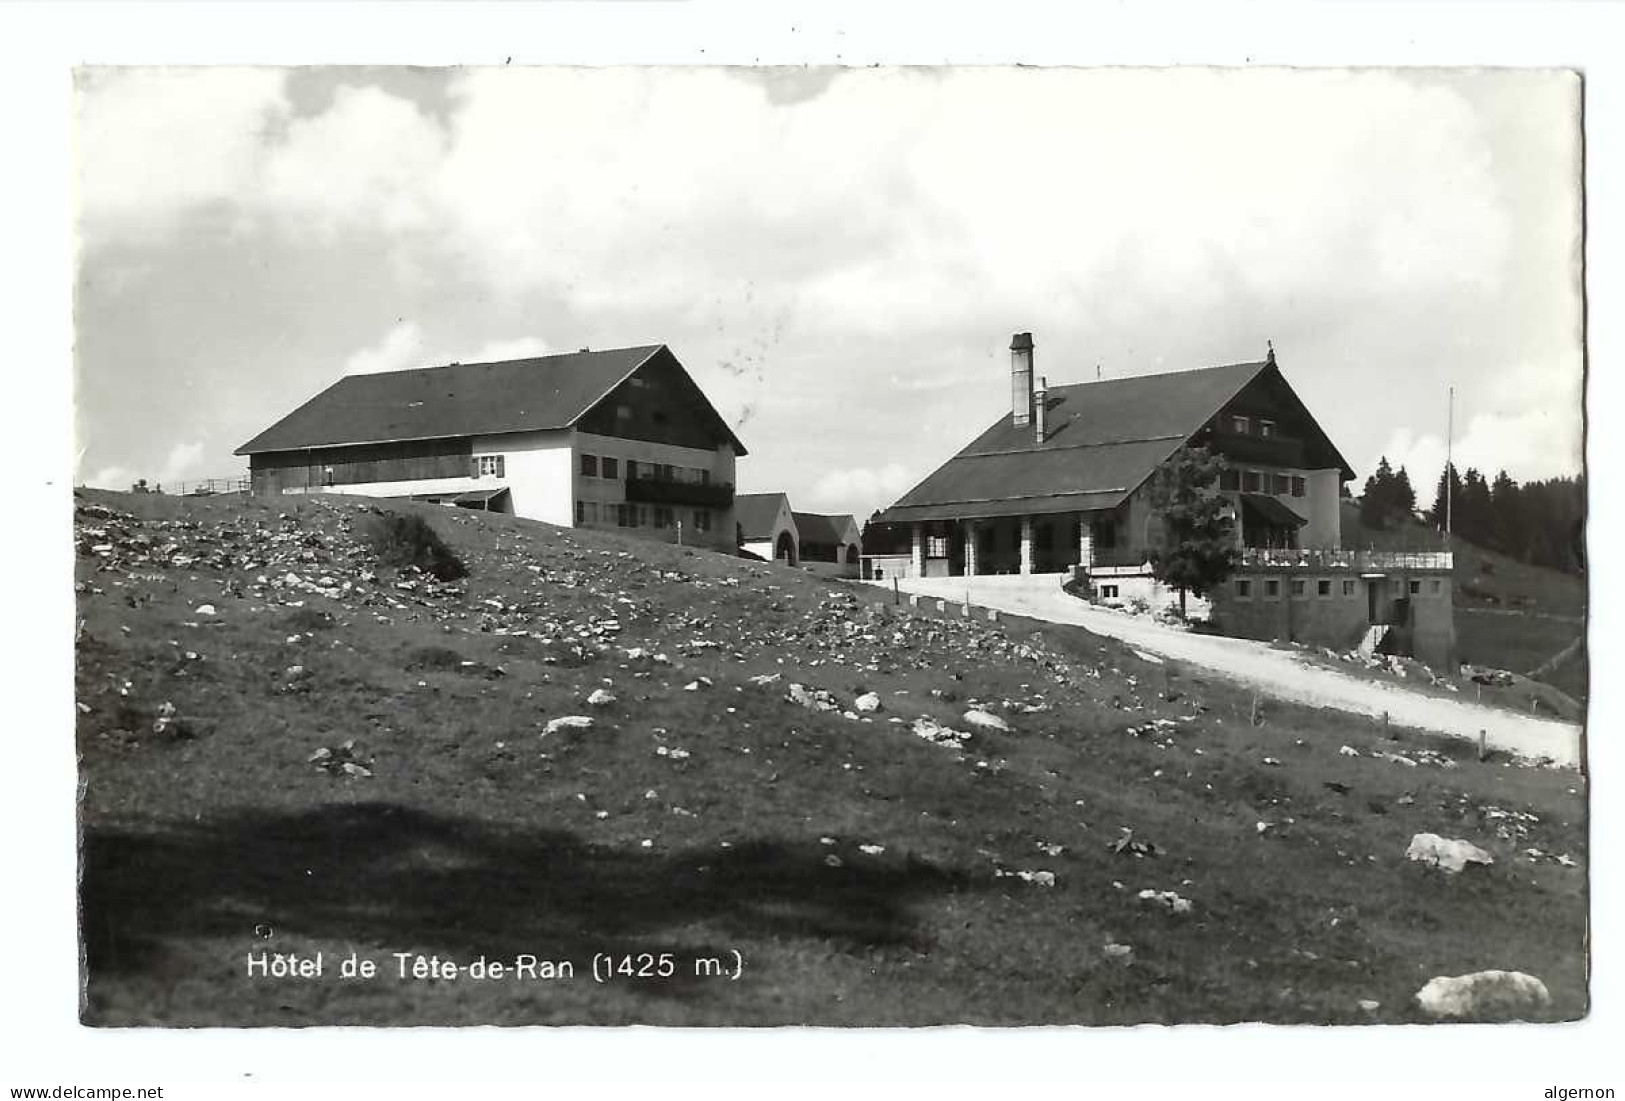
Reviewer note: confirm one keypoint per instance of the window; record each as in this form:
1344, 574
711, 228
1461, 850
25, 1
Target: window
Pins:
936, 546
1244, 589
1434, 585
611, 467
1416, 587
623, 412
1272, 587
589, 466
623, 515
1266, 428
1280, 484
640, 516
1323, 588
705, 477
1108, 592
581, 512
631, 469
1229, 479
702, 519
1250, 480
1348, 588
1299, 588
663, 517
1240, 424
488, 466
1297, 486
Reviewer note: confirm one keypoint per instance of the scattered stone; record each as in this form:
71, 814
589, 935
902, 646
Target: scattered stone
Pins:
567, 722
1143, 656
600, 698
1122, 953
1168, 900
1447, 854
1369, 1006
204, 609
1036, 878
871, 850
985, 720
937, 734
867, 703
1500, 995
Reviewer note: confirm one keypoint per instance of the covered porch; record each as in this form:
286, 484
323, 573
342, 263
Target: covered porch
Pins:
1022, 544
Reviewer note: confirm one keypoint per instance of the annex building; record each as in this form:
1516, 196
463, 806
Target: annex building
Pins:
620, 439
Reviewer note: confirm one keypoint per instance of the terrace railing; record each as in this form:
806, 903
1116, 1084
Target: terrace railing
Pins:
1346, 559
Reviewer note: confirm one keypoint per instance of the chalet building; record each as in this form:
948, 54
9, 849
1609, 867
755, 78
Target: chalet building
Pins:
772, 531
1059, 484
618, 439
767, 527
830, 540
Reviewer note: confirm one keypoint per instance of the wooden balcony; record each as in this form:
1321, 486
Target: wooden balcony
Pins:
673, 491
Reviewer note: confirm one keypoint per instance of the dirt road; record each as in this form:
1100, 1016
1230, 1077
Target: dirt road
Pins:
1280, 673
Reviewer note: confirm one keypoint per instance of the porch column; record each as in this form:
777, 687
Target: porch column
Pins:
970, 548
919, 549
1086, 542
1026, 544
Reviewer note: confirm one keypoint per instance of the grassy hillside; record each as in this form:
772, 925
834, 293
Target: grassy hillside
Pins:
1509, 615
340, 758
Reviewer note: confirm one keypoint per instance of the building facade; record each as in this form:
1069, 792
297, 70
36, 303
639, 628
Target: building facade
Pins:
767, 527
621, 439
1061, 484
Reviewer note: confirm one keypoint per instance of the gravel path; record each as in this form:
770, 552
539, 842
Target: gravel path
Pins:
1277, 672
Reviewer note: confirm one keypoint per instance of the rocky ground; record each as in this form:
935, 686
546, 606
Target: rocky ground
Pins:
727, 793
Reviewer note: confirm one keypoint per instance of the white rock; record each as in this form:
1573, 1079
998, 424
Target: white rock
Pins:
1170, 901
1497, 994
868, 702
985, 720
204, 609
567, 722
1143, 656
1121, 952
600, 698
1448, 854
937, 734
1370, 1006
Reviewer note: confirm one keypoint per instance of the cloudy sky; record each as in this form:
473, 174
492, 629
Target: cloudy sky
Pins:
838, 256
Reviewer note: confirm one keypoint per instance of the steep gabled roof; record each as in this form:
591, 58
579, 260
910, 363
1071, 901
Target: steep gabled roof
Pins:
817, 527
757, 512
461, 399
1103, 439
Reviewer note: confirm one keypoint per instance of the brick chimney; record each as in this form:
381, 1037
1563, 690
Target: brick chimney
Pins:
1040, 414
1021, 379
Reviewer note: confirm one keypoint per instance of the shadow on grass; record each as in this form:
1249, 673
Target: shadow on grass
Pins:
415, 881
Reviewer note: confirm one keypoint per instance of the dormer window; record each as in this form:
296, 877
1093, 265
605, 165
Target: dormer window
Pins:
1240, 425
1266, 428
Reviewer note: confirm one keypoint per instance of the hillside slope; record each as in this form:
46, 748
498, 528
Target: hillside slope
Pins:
287, 749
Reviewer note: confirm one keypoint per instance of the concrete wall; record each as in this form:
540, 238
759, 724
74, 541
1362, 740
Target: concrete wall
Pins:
1340, 618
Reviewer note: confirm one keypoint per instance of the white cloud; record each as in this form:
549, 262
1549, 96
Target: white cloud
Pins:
181, 461
400, 348
153, 142
861, 490
112, 477
404, 346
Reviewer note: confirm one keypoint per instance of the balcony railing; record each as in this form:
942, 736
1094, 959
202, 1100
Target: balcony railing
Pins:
1347, 559
671, 491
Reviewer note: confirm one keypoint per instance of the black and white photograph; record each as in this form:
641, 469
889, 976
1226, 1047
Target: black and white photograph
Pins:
813, 550
756, 546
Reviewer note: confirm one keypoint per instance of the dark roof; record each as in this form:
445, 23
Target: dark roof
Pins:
755, 513
1102, 440
461, 399
816, 527
1271, 511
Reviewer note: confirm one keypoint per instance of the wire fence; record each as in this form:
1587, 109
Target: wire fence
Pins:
200, 487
